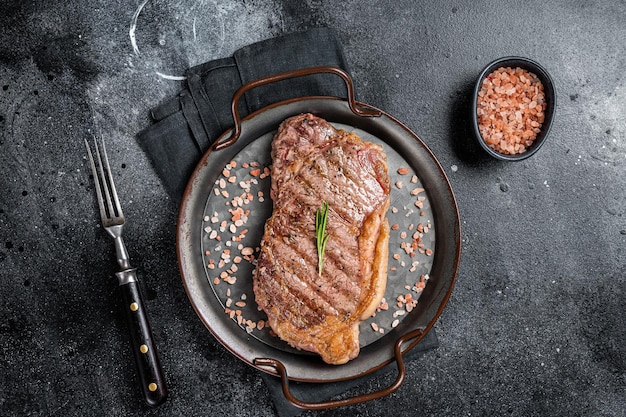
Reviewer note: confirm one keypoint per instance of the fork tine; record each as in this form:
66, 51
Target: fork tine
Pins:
109, 185
103, 214
103, 179
105, 184
118, 206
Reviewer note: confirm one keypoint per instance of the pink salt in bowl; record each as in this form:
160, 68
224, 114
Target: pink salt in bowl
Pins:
513, 108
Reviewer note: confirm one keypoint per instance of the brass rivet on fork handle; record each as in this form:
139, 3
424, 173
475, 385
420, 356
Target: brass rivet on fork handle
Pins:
149, 368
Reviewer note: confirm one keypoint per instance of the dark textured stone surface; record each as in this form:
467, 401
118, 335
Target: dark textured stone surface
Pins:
535, 325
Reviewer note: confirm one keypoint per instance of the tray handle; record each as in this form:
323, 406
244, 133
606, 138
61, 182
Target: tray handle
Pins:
357, 108
280, 368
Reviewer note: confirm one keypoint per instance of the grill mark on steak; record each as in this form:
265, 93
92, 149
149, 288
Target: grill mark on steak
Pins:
342, 258
299, 256
344, 195
336, 180
312, 162
299, 271
289, 295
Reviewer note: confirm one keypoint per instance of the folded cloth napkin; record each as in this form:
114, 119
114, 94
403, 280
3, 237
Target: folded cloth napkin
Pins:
187, 125
310, 392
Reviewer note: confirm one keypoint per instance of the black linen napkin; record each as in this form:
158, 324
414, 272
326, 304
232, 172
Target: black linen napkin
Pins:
187, 124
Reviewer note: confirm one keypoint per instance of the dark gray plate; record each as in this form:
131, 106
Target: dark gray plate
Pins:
218, 278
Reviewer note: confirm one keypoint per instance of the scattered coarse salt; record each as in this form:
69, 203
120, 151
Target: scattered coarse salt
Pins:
399, 313
226, 266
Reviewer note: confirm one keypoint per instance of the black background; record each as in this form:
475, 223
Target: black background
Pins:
535, 324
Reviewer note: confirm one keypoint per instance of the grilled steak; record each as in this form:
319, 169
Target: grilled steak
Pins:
312, 163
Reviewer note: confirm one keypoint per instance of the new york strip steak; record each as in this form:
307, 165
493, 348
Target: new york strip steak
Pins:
313, 163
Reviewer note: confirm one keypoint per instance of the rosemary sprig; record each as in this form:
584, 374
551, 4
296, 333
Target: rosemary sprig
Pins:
321, 218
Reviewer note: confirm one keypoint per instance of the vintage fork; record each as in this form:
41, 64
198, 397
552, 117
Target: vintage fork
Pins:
144, 349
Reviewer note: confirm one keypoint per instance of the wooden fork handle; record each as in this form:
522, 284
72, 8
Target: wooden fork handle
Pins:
149, 368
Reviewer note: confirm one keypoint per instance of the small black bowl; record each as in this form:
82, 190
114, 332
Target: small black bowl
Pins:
550, 99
